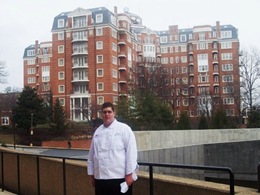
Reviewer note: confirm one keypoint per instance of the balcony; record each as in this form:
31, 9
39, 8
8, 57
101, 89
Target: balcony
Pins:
122, 67
121, 42
214, 51
215, 62
76, 51
122, 55
76, 79
122, 30
79, 66
122, 81
140, 53
76, 39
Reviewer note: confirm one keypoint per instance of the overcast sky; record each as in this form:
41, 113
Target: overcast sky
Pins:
24, 21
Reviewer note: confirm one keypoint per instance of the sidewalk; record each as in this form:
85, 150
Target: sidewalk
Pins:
5, 192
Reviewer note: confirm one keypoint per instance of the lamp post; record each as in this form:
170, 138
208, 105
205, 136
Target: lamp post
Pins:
31, 132
15, 127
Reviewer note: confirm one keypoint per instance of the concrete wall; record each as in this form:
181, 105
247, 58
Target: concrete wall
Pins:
153, 140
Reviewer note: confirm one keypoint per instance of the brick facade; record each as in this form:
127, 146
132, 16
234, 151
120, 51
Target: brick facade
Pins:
97, 55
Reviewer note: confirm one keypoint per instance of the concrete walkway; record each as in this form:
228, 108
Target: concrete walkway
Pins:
5, 192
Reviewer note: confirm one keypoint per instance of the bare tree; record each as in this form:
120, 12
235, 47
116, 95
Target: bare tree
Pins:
3, 72
250, 76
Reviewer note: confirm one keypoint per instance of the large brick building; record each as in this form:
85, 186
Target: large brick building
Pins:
97, 55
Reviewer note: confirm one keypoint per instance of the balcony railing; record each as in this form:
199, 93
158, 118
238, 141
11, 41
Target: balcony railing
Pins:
17, 180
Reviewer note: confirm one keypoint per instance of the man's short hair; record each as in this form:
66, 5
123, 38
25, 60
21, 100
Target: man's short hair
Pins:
108, 104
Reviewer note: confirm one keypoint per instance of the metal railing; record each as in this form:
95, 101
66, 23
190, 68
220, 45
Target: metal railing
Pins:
150, 165
210, 168
258, 176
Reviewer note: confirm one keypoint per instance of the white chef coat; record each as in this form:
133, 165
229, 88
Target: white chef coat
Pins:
113, 152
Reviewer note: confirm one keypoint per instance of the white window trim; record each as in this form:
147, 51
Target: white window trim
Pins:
102, 72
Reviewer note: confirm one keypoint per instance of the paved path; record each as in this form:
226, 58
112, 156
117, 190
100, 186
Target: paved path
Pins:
5, 192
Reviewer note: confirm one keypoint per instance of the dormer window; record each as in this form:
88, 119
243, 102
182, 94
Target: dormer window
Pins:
183, 38
99, 18
60, 23
163, 39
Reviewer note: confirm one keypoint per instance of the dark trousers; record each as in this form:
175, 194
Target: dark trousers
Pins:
110, 187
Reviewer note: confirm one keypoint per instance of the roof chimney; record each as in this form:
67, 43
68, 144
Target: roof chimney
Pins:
115, 10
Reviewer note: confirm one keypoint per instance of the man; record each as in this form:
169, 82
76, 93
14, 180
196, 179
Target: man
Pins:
112, 159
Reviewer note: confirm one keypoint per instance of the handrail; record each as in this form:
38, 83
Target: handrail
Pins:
212, 168
258, 176
150, 165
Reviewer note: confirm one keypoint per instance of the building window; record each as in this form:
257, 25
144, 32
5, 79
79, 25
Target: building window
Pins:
202, 36
227, 78
31, 80
177, 59
183, 38
45, 60
99, 18
61, 36
100, 100
226, 45
4, 120
226, 34
31, 70
99, 31
230, 112
183, 59
60, 23
62, 101
163, 49
79, 35
100, 86
163, 39
114, 47
202, 62
183, 48
227, 67
164, 60
114, 33
31, 53
114, 60
79, 22
203, 78
61, 62
99, 58
185, 102
114, 73
99, 45
184, 70
115, 87
45, 78
61, 49
30, 61
228, 90
61, 88
228, 101
45, 87
100, 73
61, 75
178, 102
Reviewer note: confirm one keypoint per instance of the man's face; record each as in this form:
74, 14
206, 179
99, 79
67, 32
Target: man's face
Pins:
108, 116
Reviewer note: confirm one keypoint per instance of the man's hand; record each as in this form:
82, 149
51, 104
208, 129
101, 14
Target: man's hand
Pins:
92, 180
129, 179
